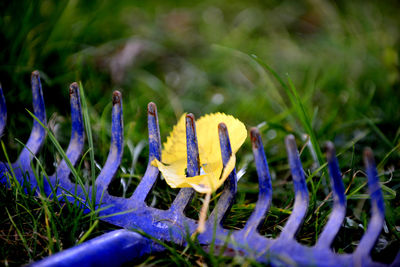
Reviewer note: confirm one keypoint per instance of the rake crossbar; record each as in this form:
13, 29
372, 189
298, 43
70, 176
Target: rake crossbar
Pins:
121, 246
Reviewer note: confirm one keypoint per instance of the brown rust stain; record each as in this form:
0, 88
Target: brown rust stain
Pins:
116, 97
222, 127
254, 137
73, 88
35, 73
190, 117
152, 109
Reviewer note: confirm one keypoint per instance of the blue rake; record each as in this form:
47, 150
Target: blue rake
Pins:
121, 246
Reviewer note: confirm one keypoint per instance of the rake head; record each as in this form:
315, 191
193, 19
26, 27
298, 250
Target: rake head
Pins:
120, 246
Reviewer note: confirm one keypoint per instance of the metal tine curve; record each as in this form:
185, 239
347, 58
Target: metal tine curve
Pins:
339, 200
154, 132
193, 165
76, 142
3, 111
151, 174
38, 133
375, 225
227, 197
116, 147
264, 182
300, 188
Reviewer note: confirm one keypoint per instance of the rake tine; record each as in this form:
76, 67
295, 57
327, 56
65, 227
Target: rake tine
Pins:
300, 188
76, 142
121, 246
193, 165
38, 134
264, 181
3, 111
117, 145
193, 159
339, 201
154, 132
150, 177
228, 195
375, 225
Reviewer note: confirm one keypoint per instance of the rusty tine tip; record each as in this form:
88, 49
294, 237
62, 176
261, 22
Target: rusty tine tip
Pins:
254, 136
222, 127
254, 132
152, 109
73, 88
368, 157
191, 117
35, 73
116, 98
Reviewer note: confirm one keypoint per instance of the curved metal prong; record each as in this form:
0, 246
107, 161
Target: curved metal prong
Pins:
117, 145
150, 177
38, 134
339, 200
264, 182
154, 132
76, 141
193, 165
228, 195
375, 225
300, 189
3, 112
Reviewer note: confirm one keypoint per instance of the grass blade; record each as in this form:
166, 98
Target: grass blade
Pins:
86, 120
62, 153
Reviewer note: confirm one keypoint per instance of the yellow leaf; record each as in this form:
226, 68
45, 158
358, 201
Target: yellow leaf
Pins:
175, 147
174, 158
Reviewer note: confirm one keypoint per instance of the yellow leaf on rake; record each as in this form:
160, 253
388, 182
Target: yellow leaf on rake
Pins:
174, 157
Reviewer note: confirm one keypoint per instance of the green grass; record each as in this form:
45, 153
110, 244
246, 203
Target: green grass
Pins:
318, 70
42, 225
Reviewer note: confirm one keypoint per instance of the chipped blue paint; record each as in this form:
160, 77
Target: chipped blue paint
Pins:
121, 246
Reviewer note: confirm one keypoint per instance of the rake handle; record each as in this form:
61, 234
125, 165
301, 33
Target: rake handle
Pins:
111, 249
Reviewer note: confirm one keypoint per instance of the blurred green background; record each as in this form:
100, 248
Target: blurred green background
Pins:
199, 57
342, 57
